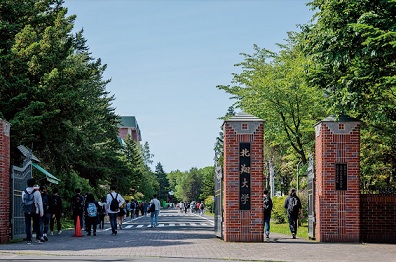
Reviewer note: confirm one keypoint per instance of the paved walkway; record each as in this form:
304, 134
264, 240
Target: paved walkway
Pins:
173, 244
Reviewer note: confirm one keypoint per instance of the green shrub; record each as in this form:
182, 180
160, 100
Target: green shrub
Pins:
209, 204
279, 214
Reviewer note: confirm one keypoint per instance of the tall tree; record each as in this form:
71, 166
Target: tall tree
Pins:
352, 46
163, 182
272, 86
207, 186
53, 92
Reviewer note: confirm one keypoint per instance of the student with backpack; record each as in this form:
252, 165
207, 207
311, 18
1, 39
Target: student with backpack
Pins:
91, 208
56, 211
201, 208
114, 201
77, 207
47, 203
267, 212
293, 208
102, 212
32, 206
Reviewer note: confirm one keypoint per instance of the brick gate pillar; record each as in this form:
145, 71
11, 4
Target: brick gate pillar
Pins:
337, 198
243, 179
5, 190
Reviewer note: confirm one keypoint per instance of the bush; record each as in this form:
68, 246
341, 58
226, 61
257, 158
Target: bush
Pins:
209, 204
279, 214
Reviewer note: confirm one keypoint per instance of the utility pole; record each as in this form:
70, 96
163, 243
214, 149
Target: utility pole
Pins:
271, 168
298, 172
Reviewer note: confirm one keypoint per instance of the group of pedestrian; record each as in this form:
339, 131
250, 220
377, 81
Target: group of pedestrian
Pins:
42, 210
135, 208
293, 209
88, 213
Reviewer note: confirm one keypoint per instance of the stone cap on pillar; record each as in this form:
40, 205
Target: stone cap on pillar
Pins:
244, 118
332, 122
340, 118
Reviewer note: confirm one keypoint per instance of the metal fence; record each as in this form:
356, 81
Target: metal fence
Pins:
19, 177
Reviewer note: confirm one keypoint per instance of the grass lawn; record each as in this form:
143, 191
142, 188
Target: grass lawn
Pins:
302, 231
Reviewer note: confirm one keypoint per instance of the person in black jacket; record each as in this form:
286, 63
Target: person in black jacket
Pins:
293, 208
267, 212
91, 210
47, 203
56, 211
77, 207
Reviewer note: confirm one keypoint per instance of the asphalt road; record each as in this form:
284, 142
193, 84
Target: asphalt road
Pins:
186, 237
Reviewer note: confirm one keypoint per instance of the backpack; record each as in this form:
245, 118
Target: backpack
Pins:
78, 204
92, 210
292, 207
55, 201
202, 206
28, 205
46, 205
102, 209
114, 206
267, 204
151, 208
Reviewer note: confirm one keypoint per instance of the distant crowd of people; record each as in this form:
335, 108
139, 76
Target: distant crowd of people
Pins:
194, 207
43, 210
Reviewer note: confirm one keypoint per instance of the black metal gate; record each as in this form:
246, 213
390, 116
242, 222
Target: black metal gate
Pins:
218, 218
19, 177
311, 198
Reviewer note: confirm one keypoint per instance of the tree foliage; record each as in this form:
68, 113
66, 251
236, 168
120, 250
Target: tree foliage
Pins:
272, 86
53, 93
352, 46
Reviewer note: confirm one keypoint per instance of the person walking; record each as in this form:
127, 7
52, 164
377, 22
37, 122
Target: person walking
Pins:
47, 203
267, 213
102, 212
201, 208
144, 208
56, 212
91, 208
154, 215
293, 208
33, 209
113, 201
77, 207
121, 214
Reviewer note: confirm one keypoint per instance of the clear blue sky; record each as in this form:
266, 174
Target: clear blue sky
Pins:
166, 57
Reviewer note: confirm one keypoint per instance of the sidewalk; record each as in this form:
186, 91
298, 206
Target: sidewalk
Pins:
174, 244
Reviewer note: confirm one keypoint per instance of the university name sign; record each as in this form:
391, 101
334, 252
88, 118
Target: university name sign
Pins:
244, 176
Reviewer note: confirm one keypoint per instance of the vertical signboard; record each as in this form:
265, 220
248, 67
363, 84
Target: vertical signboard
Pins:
244, 176
341, 177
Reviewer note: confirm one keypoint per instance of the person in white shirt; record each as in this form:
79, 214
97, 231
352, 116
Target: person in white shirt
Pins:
36, 212
154, 215
113, 213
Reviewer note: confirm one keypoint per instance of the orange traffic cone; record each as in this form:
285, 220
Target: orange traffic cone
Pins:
77, 229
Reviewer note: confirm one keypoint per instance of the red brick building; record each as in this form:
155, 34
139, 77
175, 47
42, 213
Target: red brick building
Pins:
129, 126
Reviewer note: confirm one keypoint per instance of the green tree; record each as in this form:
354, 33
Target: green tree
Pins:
352, 46
207, 186
163, 182
53, 93
273, 87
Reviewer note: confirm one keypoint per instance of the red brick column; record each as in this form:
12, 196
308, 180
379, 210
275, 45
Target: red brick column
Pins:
243, 179
337, 198
5, 191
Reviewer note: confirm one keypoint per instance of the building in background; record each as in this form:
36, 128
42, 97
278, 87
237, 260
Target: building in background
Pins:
129, 126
